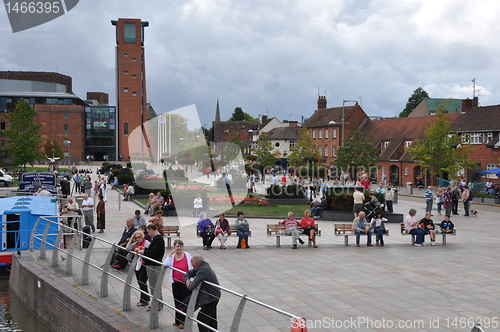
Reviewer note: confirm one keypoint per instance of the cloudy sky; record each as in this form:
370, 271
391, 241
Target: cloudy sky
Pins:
274, 56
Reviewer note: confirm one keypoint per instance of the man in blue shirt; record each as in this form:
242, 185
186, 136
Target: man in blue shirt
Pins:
428, 199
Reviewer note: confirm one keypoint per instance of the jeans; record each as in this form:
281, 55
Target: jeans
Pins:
420, 233
454, 206
368, 237
316, 211
389, 206
379, 232
428, 207
440, 204
242, 235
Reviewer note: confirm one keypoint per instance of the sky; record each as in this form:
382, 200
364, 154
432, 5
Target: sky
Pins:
274, 57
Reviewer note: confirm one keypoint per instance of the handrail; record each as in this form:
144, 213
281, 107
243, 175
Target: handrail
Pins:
102, 291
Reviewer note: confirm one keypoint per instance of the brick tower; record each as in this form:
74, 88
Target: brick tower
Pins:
130, 80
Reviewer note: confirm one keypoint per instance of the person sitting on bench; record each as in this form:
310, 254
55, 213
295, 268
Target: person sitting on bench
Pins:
119, 259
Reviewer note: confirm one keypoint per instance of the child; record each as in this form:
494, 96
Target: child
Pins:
428, 226
446, 225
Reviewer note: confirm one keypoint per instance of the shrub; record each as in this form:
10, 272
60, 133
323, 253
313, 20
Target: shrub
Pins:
282, 191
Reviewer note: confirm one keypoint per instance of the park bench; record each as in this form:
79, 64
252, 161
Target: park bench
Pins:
278, 230
170, 232
403, 232
345, 230
232, 231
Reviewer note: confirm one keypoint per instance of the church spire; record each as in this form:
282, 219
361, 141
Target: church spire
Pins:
217, 111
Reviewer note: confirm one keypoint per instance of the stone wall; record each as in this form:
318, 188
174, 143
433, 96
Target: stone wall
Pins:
60, 305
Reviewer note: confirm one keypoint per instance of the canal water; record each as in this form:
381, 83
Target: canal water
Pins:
14, 316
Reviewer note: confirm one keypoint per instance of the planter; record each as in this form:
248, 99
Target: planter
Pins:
288, 201
491, 201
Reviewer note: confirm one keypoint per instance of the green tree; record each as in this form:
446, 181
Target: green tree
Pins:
357, 152
22, 135
305, 152
440, 151
263, 152
413, 101
239, 115
53, 149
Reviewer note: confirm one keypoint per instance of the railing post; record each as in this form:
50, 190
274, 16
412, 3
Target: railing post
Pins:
105, 272
128, 283
85, 267
188, 322
43, 243
55, 250
235, 325
153, 317
32, 238
69, 256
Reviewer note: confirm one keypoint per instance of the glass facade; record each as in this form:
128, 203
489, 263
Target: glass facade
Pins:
7, 104
129, 32
100, 132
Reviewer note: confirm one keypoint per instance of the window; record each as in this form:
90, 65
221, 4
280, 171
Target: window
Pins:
129, 32
3, 125
326, 150
314, 133
293, 143
326, 133
476, 138
320, 149
134, 59
408, 143
125, 55
491, 175
65, 115
320, 133
125, 128
277, 144
65, 129
334, 150
125, 89
134, 76
489, 137
134, 93
66, 142
465, 139
384, 145
334, 133
125, 72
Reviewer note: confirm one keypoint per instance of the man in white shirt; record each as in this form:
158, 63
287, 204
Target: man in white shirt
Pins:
88, 211
359, 197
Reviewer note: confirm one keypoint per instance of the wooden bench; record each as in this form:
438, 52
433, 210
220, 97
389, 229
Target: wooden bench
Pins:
278, 230
345, 230
403, 232
232, 230
170, 232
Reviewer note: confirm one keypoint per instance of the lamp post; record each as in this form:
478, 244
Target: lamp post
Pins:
69, 153
343, 116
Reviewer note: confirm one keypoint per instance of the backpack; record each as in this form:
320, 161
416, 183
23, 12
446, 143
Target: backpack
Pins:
471, 196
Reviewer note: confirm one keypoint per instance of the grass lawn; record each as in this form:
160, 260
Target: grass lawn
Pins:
276, 210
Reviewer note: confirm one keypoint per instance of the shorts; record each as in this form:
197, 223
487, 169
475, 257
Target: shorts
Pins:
358, 208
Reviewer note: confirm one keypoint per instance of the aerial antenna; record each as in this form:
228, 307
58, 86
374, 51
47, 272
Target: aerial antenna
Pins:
474, 87
360, 101
318, 91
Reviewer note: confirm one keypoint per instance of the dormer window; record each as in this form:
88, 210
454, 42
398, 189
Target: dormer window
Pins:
384, 145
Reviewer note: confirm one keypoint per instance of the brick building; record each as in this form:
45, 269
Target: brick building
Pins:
131, 80
329, 126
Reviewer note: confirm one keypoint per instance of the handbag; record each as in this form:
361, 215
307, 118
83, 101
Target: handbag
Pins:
218, 230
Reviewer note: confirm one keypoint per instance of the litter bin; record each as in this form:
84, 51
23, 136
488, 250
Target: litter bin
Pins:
409, 188
395, 198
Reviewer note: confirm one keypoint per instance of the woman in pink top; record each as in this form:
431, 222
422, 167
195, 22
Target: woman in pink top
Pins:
309, 227
178, 260
411, 228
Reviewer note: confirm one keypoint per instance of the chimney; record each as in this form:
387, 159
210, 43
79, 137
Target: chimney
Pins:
475, 102
466, 104
292, 123
321, 102
263, 119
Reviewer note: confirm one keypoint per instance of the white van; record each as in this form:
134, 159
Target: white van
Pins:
5, 179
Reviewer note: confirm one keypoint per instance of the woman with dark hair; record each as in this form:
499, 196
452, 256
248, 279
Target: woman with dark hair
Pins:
222, 230
101, 214
378, 222
242, 229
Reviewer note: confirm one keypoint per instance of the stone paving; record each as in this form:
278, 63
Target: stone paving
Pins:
398, 287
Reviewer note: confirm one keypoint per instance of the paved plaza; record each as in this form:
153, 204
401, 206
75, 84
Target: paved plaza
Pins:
398, 287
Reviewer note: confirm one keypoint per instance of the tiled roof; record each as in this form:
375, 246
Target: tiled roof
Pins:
399, 130
450, 105
322, 117
479, 119
282, 133
222, 128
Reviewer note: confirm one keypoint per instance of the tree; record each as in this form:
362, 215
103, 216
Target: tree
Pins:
239, 115
22, 137
305, 152
53, 149
418, 95
263, 152
440, 151
357, 152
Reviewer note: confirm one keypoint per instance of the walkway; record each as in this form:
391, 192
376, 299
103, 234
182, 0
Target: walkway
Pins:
337, 287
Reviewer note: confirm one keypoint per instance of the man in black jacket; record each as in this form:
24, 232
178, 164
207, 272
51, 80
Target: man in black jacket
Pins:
155, 251
209, 295
119, 261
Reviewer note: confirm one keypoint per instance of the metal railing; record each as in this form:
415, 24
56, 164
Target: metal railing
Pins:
105, 275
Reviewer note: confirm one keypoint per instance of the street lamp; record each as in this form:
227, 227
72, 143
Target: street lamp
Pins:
69, 152
343, 116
